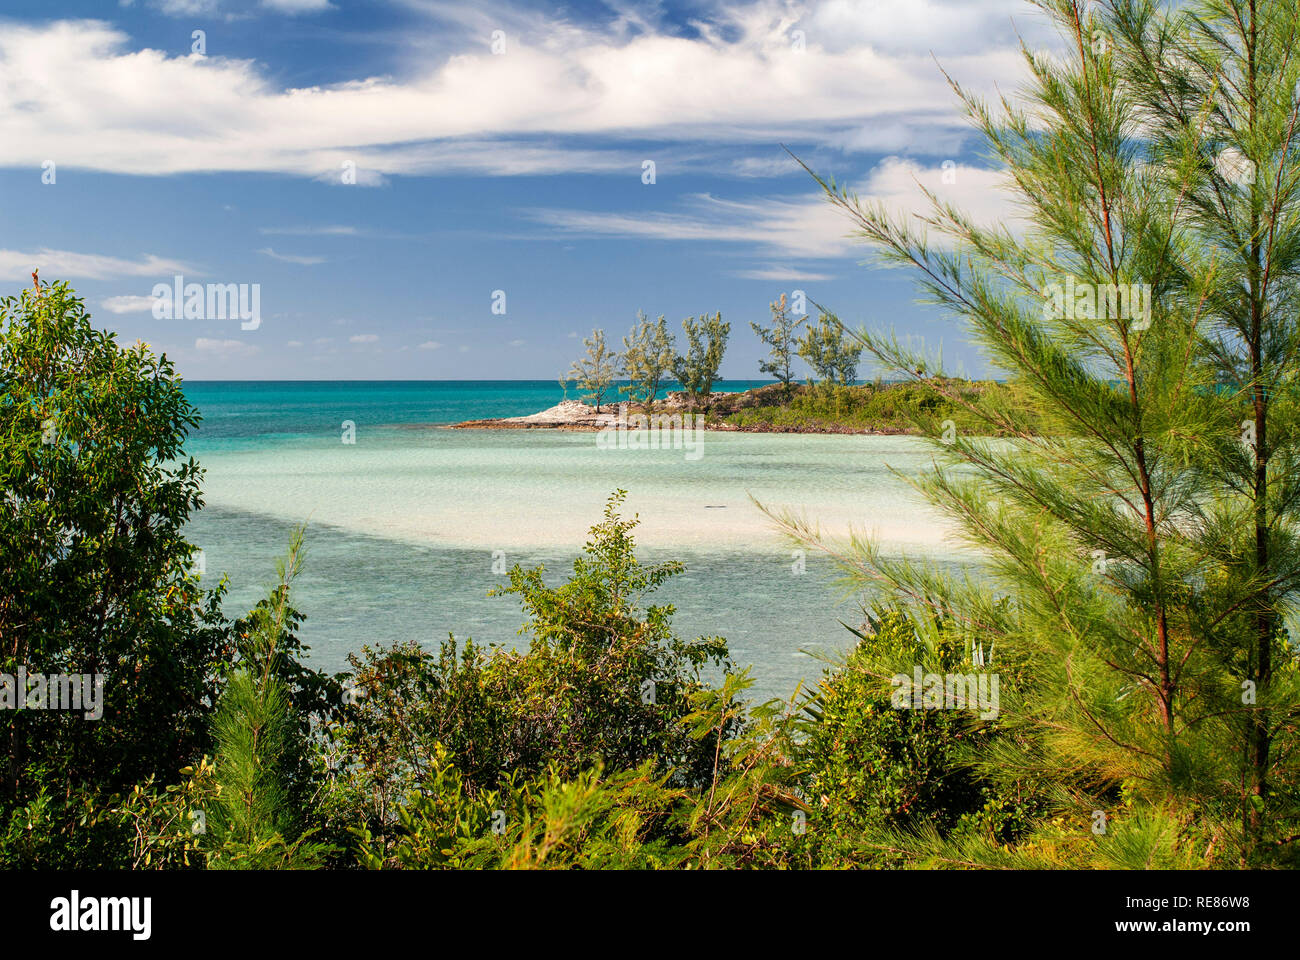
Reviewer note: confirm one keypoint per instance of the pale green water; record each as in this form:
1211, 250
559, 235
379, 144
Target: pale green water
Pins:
404, 523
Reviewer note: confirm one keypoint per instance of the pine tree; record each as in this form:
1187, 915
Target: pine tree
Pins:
1106, 584
706, 342
830, 352
251, 818
1217, 85
648, 353
594, 373
781, 338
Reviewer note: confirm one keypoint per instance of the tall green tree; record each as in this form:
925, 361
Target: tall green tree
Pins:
831, 353
706, 343
256, 801
96, 575
1217, 87
594, 373
648, 353
1104, 538
780, 338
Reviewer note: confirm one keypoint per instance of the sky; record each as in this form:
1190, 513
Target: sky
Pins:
384, 171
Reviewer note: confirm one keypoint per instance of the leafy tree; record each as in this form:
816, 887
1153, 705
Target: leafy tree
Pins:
832, 355
95, 574
781, 338
594, 373
648, 353
706, 342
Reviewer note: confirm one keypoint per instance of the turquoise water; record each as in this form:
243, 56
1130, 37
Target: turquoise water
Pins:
406, 524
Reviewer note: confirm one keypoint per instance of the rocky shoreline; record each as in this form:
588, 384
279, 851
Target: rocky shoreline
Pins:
578, 416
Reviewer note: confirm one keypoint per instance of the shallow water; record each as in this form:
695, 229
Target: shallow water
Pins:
407, 524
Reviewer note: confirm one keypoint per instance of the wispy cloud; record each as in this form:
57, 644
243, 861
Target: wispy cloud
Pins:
128, 304
782, 274
225, 348
306, 261
323, 231
62, 264
296, 7
804, 227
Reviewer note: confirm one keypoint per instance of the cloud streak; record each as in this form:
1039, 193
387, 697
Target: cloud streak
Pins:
804, 227
64, 264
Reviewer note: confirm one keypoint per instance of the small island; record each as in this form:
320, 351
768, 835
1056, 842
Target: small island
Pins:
871, 408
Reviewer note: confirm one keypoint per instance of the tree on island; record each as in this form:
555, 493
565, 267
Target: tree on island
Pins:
706, 342
781, 338
594, 373
826, 348
648, 353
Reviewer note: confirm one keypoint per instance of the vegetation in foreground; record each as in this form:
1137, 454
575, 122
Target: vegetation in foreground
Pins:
1142, 561
603, 743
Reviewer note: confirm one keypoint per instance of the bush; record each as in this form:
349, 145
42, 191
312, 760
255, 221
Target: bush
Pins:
874, 770
603, 684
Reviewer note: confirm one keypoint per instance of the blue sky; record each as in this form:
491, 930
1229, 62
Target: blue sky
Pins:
519, 170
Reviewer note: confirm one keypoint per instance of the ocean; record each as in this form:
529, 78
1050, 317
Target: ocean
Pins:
410, 523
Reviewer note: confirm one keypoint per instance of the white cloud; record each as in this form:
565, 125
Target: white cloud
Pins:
326, 231
942, 26
291, 258
294, 7
187, 8
128, 304
363, 338
430, 345
61, 264
294, 343
516, 343
782, 274
465, 109
803, 227
764, 166
225, 348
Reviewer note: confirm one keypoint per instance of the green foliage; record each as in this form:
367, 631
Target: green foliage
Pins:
885, 408
780, 337
629, 819
95, 573
706, 342
261, 745
604, 682
874, 770
832, 355
1138, 555
648, 353
594, 373
547, 822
